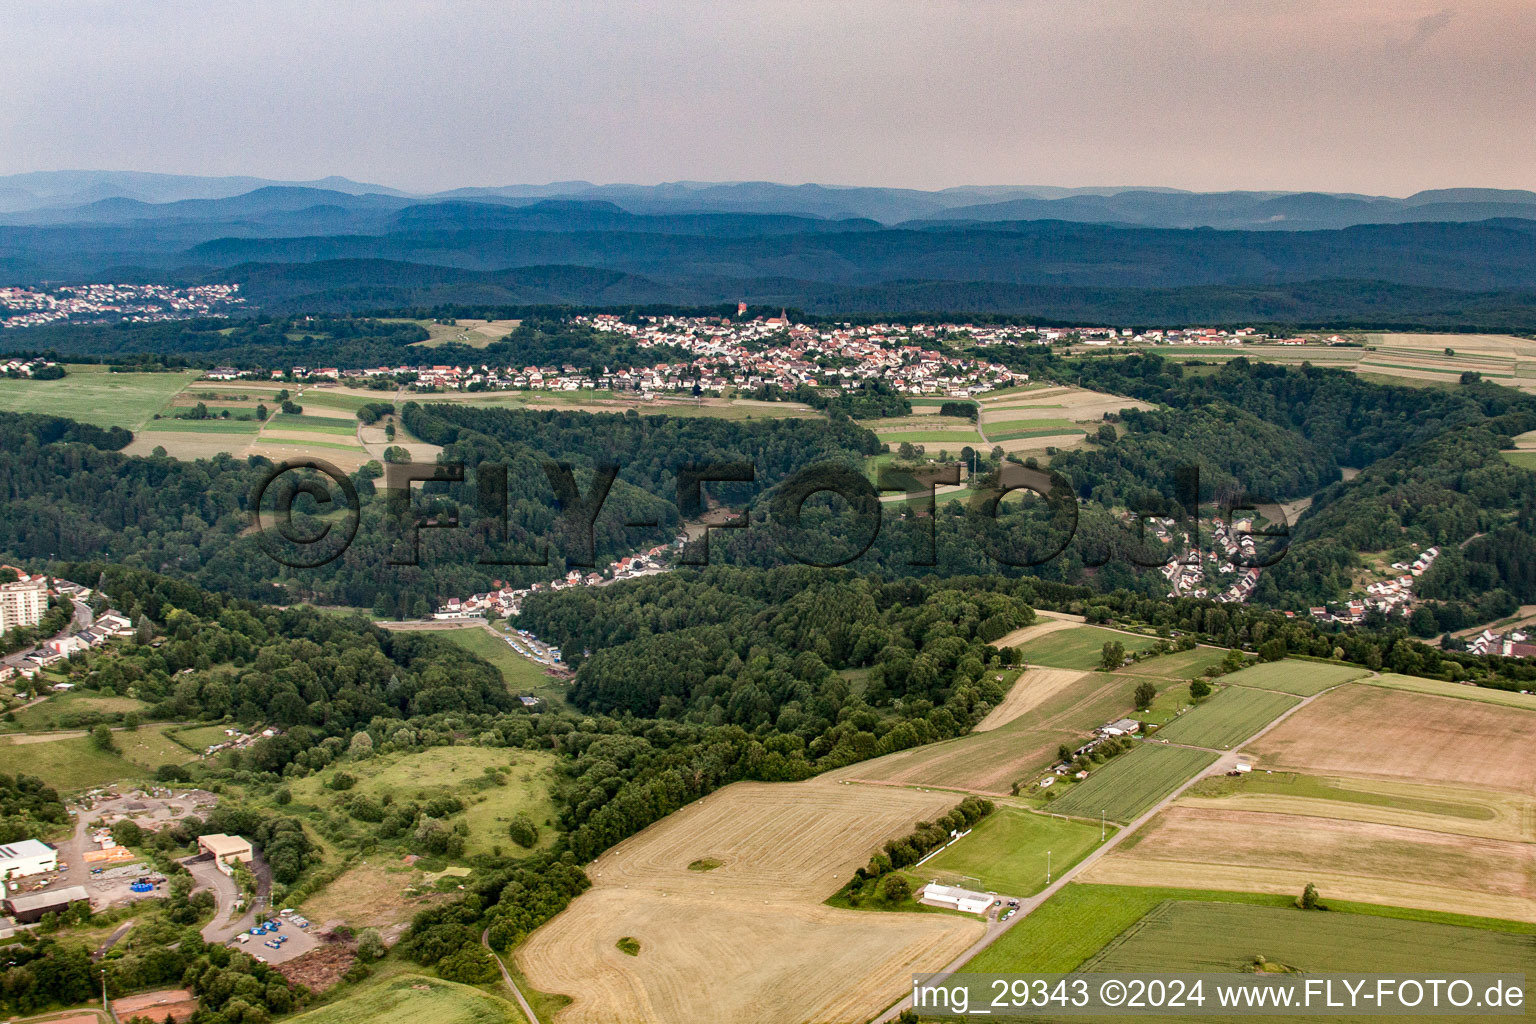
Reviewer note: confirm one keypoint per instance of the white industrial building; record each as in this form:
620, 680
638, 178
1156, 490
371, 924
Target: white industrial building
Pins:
963, 900
225, 850
28, 857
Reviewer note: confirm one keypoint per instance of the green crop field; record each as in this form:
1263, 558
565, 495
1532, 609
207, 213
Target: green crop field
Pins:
1022, 435
1483, 694
521, 675
895, 437
1079, 648
346, 403
1128, 785
1227, 718
313, 424
66, 764
1303, 678
1081, 919
92, 395
1007, 852
210, 426
1179, 936
418, 999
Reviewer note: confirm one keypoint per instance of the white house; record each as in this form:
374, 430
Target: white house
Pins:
28, 857
963, 900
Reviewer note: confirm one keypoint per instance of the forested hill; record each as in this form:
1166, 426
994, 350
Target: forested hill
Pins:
648, 450
69, 495
342, 341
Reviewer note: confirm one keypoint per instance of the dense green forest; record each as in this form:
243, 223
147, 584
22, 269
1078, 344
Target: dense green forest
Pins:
265, 342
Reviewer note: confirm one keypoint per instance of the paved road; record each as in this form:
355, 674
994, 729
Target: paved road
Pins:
113, 939
1222, 765
485, 939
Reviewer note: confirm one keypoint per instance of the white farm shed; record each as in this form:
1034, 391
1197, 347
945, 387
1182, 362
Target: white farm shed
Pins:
963, 900
28, 857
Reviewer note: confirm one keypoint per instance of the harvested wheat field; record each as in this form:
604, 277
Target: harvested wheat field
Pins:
1031, 690
1247, 851
747, 938
1374, 732
1040, 627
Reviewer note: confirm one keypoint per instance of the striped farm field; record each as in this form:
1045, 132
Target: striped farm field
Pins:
970, 437
1303, 678
209, 426
1199, 937
1017, 429
1227, 718
1128, 785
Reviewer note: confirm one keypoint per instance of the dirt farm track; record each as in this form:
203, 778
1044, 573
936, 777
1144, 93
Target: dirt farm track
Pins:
757, 917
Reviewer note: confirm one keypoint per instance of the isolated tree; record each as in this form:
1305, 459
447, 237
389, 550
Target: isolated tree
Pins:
261, 411
370, 944
1112, 655
1199, 689
1308, 900
523, 831
895, 888
101, 738
361, 746
1146, 693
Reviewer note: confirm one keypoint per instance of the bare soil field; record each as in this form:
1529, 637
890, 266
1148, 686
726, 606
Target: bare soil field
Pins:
1031, 690
369, 896
177, 1003
1060, 403
1374, 732
1038, 628
749, 940
1250, 851
187, 445
1040, 444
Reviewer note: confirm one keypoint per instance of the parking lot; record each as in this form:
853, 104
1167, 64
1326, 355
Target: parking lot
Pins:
290, 939
108, 879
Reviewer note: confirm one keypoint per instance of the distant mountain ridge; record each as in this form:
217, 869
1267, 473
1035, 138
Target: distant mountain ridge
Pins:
49, 197
1448, 257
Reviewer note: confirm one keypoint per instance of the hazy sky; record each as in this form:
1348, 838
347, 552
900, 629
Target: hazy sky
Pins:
1378, 96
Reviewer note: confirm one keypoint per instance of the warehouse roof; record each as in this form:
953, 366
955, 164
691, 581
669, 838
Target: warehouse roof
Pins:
25, 848
52, 898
